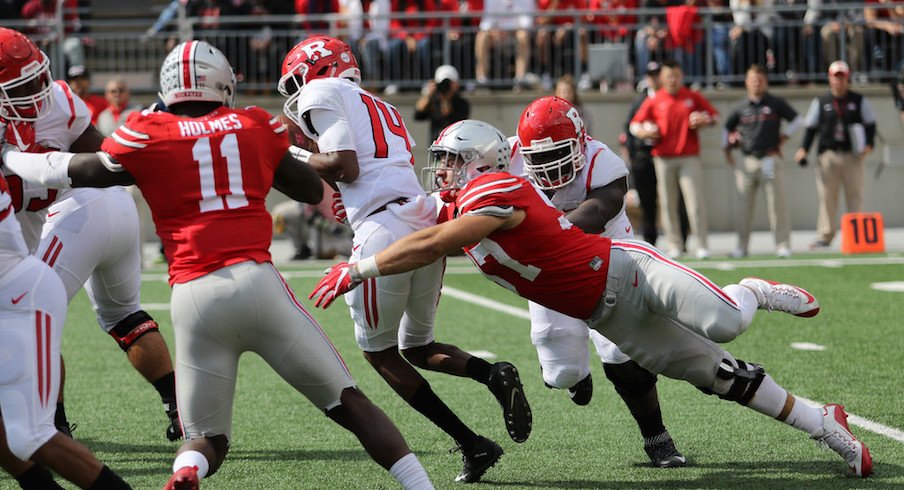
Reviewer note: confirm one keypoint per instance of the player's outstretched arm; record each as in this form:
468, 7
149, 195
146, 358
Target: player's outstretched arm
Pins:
298, 180
411, 252
63, 170
601, 205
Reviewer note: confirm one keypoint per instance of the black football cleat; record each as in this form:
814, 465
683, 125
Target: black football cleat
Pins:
478, 460
663, 453
582, 392
506, 387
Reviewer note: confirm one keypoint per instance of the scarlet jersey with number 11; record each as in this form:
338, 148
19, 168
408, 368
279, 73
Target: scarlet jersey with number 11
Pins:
205, 180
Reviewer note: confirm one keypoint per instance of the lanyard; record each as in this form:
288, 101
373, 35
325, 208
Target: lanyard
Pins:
838, 109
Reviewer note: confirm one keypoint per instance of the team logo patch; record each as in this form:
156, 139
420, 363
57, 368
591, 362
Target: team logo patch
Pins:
345, 57
596, 263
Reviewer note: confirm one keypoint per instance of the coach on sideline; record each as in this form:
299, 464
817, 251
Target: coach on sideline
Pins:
755, 125
846, 126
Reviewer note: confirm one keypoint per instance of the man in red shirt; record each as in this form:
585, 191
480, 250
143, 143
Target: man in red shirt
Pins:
671, 117
667, 317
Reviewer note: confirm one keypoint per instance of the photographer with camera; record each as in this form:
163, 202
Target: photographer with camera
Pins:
441, 102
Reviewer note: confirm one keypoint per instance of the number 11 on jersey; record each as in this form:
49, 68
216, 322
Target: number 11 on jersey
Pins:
220, 169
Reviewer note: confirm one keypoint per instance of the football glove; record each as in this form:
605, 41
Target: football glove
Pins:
338, 208
338, 281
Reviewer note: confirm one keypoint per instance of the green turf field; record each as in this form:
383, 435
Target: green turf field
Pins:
280, 441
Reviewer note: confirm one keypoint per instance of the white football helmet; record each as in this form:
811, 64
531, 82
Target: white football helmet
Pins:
463, 151
195, 71
26, 87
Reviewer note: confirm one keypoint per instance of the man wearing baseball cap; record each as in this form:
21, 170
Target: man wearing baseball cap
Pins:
846, 125
441, 102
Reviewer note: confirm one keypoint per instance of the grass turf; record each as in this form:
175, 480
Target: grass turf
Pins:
281, 441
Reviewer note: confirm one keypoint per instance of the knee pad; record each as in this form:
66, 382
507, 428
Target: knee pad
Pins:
630, 379
743, 381
133, 327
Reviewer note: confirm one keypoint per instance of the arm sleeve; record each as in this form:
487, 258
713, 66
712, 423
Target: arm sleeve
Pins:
869, 121
731, 123
644, 112
333, 128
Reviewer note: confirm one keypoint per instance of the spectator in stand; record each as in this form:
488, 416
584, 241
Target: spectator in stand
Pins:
686, 38
884, 27
11, 9
792, 40
718, 32
505, 23
754, 126
614, 22
118, 109
459, 33
376, 44
441, 102
847, 23
672, 117
409, 43
79, 81
42, 16
750, 35
265, 48
846, 125
566, 89
897, 92
352, 12
554, 39
651, 39
316, 7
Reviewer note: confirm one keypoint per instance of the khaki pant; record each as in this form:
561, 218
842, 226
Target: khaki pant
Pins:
688, 173
749, 176
836, 169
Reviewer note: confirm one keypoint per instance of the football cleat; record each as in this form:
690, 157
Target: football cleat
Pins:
582, 392
186, 478
478, 460
776, 296
506, 387
838, 437
663, 453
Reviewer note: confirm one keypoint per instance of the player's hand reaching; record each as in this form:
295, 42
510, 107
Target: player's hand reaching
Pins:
338, 208
338, 281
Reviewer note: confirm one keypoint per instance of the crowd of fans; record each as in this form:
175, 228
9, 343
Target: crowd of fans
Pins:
498, 43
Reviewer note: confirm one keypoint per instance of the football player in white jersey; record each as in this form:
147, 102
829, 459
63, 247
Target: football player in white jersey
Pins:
32, 314
89, 237
587, 181
365, 153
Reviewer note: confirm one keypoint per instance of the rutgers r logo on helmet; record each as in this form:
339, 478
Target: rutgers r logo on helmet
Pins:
315, 50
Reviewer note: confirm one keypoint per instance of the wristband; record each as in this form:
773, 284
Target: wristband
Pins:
364, 269
300, 153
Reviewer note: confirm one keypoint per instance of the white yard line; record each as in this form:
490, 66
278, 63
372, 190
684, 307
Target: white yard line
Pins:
863, 423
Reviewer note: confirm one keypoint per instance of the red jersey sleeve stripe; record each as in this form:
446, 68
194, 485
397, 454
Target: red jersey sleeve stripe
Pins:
124, 142
590, 169
134, 134
495, 190
481, 187
68, 93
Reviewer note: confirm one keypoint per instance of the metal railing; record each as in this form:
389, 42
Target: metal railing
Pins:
709, 52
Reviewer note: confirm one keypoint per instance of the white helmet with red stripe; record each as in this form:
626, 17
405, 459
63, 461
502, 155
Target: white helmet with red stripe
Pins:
463, 151
195, 71
25, 84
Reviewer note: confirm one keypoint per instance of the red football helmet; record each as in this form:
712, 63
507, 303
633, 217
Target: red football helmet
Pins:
552, 140
25, 82
315, 57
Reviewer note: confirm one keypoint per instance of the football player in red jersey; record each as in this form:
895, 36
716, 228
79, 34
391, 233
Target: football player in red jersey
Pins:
518, 239
89, 237
587, 181
364, 151
32, 314
205, 170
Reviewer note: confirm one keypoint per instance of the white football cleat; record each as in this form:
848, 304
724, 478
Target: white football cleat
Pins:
777, 296
837, 436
